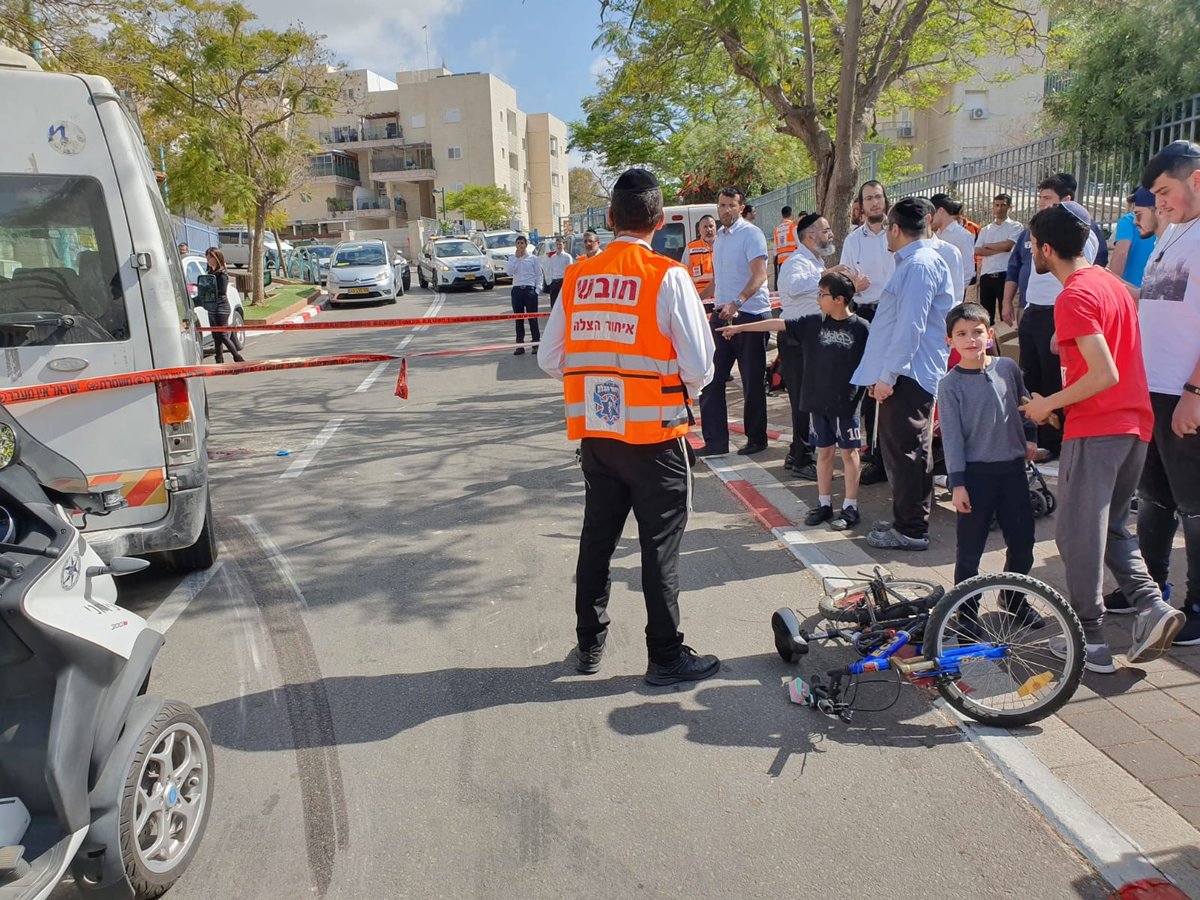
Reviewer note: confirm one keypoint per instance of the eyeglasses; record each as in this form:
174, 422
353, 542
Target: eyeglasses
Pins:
824, 294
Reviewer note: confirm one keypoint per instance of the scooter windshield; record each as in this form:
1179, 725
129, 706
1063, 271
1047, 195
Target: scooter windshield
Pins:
51, 469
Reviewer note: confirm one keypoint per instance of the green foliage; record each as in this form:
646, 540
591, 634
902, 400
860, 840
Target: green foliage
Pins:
586, 189
65, 31
227, 100
486, 203
1125, 61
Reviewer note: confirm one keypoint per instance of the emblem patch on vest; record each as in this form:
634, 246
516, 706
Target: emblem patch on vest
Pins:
621, 290
604, 404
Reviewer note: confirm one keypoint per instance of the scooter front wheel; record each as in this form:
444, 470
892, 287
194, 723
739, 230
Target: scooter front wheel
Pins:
167, 798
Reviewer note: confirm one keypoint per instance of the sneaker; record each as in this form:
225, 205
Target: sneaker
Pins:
687, 667
1153, 631
1189, 634
520, 351
1096, 657
807, 472
589, 660
847, 518
1118, 604
894, 540
872, 474
818, 514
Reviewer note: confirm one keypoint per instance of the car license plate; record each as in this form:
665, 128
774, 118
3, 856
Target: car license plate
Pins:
360, 290
468, 278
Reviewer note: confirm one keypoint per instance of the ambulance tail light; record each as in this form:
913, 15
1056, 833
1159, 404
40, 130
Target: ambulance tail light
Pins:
178, 424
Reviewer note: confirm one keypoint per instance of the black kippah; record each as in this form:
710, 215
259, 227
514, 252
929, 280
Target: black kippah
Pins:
807, 222
636, 180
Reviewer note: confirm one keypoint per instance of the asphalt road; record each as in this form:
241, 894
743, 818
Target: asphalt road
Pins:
383, 657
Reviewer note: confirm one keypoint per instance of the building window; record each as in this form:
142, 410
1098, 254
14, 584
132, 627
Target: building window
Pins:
554, 179
501, 154
557, 212
458, 186
454, 152
305, 197
512, 161
418, 121
452, 116
554, 146
512, 122
524, 146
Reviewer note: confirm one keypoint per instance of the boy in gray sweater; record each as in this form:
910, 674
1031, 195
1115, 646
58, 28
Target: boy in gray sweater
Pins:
986, 441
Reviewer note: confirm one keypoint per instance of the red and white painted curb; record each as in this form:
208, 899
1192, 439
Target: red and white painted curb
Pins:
828, 554
313, 309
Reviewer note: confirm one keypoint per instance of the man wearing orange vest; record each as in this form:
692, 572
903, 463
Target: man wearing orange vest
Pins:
786, 241
699, 256
631, 343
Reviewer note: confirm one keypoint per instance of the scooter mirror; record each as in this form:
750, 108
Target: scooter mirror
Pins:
8, 445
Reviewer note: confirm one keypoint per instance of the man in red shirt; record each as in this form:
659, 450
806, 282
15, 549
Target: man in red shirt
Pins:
1108, 426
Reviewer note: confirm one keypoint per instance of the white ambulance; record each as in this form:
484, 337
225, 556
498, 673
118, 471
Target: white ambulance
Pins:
679, 228
91, 285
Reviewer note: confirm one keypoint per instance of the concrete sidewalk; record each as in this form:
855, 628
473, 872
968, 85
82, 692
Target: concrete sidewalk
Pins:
1128, 743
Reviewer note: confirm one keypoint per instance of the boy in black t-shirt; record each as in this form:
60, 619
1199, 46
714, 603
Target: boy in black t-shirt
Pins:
833, 345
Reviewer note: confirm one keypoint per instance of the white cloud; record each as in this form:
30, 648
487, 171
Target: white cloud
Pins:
492, 54
365, 34
601, 65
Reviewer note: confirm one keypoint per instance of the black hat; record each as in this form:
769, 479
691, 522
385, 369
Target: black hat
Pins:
636, 180
807, 222
946, 202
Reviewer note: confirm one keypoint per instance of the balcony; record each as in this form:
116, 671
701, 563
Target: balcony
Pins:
411, 162
369, 129
338, 204
334, 165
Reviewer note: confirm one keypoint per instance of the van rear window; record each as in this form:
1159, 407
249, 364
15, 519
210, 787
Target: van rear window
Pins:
59, 276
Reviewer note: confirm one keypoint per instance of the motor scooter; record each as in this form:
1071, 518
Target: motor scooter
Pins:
97, 776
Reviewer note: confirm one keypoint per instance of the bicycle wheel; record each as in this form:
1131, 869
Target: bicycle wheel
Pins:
1029, 682
851, 604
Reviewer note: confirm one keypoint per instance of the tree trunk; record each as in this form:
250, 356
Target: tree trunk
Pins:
257, 240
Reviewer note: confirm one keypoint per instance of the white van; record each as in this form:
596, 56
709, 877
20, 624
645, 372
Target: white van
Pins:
235, 244
679, 228
91, 285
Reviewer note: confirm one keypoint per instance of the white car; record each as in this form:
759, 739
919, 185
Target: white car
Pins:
193, 268
364, 270
454, 262
499, 247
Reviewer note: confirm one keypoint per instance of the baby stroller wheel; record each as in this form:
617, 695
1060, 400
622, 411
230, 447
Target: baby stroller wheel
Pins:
1039, 504
788, 640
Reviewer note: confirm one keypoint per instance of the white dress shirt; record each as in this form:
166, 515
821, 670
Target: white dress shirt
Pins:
525, 270
559, 260
867, 253
995, 233
953, 258
680, 317
957, 235
798, 281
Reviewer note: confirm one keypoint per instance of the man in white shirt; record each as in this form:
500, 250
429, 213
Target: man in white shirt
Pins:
740, 295
798, 281
865, 252
946, 226
526, 274
558, 259
1169, 319
994, 245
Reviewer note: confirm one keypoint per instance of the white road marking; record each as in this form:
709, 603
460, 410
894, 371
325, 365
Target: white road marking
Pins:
271, 550
177, 601
378, 371
309, 453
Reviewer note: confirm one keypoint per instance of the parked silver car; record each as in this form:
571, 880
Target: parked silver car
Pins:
364, 270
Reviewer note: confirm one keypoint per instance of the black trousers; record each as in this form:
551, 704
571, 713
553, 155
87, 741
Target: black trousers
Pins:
906, 436
525, 300
991, 293
999, 489
1169, 492
652, 480
223, 340
1041, 368
791, 356
870, 437
750, 352
555, 286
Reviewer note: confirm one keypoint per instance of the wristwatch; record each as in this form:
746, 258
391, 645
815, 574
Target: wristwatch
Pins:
1191, 388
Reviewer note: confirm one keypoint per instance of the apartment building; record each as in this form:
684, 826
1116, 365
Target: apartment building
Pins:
999, 106
393, 150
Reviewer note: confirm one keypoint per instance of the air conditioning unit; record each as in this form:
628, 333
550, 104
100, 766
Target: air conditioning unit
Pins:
978, 112
906, 130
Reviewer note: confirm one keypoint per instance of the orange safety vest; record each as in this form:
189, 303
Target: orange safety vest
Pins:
786, 241
621, 375
700, 264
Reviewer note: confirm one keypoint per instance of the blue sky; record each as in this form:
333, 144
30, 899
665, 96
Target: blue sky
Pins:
543, 48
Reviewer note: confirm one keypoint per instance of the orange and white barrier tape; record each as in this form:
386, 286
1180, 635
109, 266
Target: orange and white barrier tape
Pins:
377, 323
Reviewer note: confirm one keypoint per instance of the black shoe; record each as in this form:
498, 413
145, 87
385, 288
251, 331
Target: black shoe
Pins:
818, 514
520, 351
1118, 604
808, 471
1018, 607
847, 518
752, 448
706, 450
872, 474
686, 667
589, 660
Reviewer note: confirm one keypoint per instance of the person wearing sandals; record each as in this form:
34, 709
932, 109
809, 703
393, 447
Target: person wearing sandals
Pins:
832, 345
